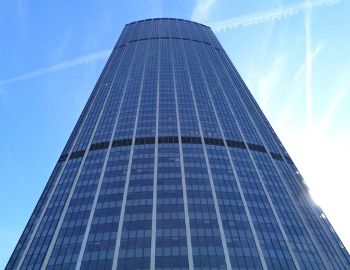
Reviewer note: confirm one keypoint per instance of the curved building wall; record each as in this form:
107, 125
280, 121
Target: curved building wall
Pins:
172, 165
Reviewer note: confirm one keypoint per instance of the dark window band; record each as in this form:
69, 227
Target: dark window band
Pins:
276, 156
214, 141
63, 157
191, 140
175, 140
77, 154
289, 160
236, 144
98, 146
145, 140
122, 142
256, 147
168, 139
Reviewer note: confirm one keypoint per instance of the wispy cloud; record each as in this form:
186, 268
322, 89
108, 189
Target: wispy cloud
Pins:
21, 17
85, 59
201, 10
269, 15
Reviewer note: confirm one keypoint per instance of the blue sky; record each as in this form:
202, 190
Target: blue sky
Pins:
293, 55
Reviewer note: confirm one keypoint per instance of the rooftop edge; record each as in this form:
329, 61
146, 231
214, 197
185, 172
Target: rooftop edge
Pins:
167, 19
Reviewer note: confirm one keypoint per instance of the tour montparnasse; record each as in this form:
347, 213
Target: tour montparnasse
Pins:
173, 165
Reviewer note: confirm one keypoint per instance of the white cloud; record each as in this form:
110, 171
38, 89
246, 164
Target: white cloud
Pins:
269, 15
322, 159
201, 10
85, 59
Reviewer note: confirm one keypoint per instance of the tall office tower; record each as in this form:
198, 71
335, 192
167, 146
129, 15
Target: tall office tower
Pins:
172, 165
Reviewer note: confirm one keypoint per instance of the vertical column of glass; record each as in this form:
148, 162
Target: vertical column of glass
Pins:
181, 160
209, 128
187, 116
171, 244
279, 195
309, 216
152, 32
213, 253
135, 243
133, 237
147, 116
155, 168
99, 250
271, 223
167, 109
243, 245
206, 114
146, 133
204, 230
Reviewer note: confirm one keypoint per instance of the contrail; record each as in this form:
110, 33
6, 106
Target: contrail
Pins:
315, 53
269, 15
85, 59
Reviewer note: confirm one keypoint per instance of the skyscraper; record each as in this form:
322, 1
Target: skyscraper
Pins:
172, 165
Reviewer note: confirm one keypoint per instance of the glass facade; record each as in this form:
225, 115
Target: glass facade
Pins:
172, 165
